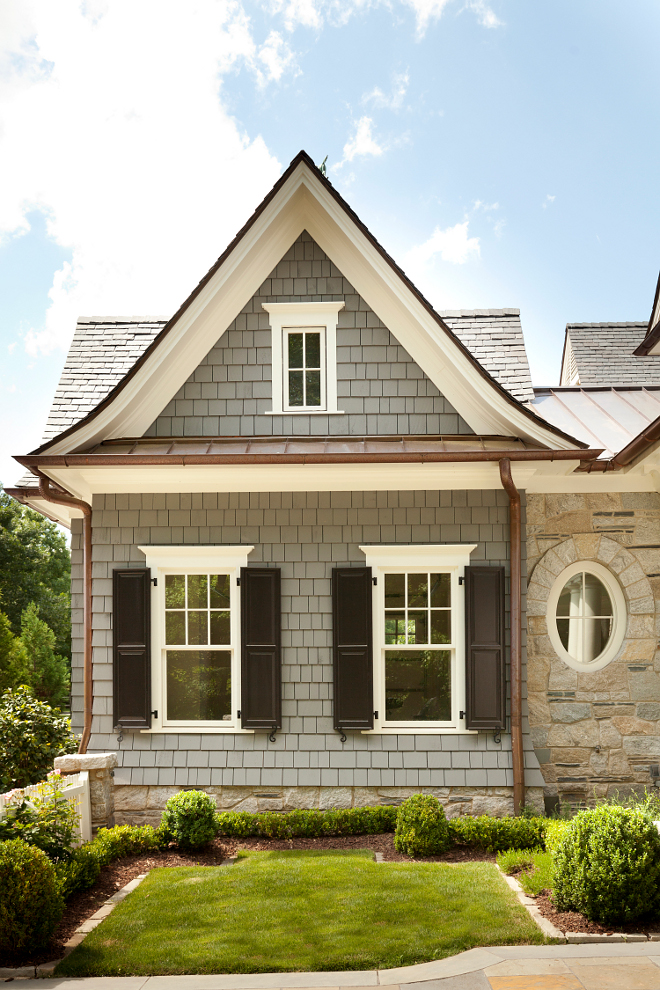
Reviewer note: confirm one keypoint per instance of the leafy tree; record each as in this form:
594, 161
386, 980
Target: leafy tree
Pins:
35, 566
47, 672
32, 734
13, 659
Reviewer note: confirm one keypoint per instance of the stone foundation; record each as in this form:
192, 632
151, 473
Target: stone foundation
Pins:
100, 767
136, 805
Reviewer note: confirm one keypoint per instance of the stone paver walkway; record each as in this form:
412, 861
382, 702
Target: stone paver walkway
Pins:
518, 967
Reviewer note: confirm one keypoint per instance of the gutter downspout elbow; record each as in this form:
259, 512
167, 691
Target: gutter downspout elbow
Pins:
62, 498
516, 635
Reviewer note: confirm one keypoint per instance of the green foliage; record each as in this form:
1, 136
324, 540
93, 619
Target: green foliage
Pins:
45, 819
607, 864
79, 872
421, 827
125, 840
48, 673
648, 801
35, 566
494, 834
30, 902
306, 823
189, 819
555, 830
13, 659
532, 868
32, 734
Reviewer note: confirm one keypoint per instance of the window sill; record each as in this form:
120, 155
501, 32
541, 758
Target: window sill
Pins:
202, 730
305, 412
439, 730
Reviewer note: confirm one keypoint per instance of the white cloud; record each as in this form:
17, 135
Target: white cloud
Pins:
111, 123
548, 201
485, 14
394, 101
362, 144
452, 244
432, 10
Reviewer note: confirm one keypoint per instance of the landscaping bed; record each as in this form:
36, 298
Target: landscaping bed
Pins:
302, 910
573, 921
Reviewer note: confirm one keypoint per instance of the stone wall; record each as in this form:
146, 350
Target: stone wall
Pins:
596, 733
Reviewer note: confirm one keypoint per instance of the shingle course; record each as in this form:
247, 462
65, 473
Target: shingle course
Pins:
495, 338
604, 355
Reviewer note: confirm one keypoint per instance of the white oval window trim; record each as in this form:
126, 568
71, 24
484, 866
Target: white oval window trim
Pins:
618, 618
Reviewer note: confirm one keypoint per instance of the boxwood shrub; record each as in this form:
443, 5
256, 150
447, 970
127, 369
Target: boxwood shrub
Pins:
305, 823
421, 827
189, 819
495, 834
607, 864
31, 904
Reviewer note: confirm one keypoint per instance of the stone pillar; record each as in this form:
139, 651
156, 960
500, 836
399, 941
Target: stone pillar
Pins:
100, 767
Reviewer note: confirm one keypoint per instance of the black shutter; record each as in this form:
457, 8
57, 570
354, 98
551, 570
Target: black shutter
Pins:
261, 625
352, 648
131, 628
484, 647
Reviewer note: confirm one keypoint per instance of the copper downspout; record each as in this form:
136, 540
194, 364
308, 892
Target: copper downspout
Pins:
516, 635
62, 498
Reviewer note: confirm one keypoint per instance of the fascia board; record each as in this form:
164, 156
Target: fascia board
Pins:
303, 203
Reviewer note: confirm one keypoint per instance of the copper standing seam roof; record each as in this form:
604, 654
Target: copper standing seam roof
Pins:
302, 156
296, 450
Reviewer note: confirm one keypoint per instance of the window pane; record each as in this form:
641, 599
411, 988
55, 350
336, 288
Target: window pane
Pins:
418, 627
395, 628
417, 686
441, 626
197, 594
395, 590
198, 628
312, 350
296, 388
596, 597
563, 630
596, 636
198, 685
220, 632
295, 350
418, 585
313, 384
175, 591
219, 591
440, 590
175, 628
571, 597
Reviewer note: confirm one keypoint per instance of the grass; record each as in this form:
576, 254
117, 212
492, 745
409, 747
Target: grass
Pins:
532, 868
302, 911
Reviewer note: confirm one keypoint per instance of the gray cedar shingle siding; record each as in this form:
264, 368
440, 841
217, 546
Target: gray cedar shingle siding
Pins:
603, 354
305, 534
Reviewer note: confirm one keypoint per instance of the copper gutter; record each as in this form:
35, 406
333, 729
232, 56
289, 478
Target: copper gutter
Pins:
516, 635
636, 447
63, 498
36, 461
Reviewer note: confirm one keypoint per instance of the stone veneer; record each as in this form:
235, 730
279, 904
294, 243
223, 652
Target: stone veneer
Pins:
596, 733
144, 805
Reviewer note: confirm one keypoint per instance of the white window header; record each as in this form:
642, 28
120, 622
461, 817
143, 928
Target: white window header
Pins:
196, 557
421, 555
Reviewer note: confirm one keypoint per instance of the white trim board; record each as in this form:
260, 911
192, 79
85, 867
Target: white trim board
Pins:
304, 203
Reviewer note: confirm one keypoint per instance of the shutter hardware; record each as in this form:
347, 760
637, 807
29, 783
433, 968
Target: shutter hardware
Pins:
238, 580
461, 580
376, 715
461, 715
155, 714
154, 581
375, 580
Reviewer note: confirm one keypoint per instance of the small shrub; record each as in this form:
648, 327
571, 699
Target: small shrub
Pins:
31, 905
555, 830
125, 840
607, 864
45, 819
421, 827
306, 823
32, 734
189, 819
495, 834
79, 872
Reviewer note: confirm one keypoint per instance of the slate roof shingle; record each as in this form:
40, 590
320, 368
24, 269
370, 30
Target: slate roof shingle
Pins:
495, 338
603, 354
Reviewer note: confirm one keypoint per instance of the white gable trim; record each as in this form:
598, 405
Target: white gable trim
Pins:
302, 203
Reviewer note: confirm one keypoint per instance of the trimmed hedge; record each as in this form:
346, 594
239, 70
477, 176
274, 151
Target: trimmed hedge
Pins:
495, 834
421, 827
306, 823
81, 871
31, 904
189, 819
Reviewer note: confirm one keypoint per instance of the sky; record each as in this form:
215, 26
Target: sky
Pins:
504, 152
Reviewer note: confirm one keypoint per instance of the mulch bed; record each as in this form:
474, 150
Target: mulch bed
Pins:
573, 921
117, 874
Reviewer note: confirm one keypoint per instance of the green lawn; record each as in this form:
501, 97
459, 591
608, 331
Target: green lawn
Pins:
302, 911
536, 867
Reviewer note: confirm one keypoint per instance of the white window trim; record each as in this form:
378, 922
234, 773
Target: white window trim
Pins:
193, 560
619, 617
305, 315
322, 331
446, 557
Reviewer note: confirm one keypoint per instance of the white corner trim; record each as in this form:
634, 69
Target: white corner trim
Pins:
304, 314
196, 556
422, 555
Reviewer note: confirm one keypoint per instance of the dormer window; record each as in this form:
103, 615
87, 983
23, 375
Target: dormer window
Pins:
304, 356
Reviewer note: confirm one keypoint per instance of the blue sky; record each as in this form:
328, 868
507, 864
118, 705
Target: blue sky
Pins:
503, 151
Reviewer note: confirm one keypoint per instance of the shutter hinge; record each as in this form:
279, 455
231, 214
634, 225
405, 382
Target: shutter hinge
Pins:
376, 715
154, 581
238, 713
238, 580
155, 714
461, 580
461, 715
375, 580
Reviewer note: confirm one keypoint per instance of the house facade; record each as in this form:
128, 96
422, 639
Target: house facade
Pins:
331, 548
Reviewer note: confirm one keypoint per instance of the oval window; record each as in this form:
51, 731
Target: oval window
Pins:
586, 616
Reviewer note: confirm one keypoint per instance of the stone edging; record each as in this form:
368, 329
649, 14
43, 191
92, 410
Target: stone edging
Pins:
572, 938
